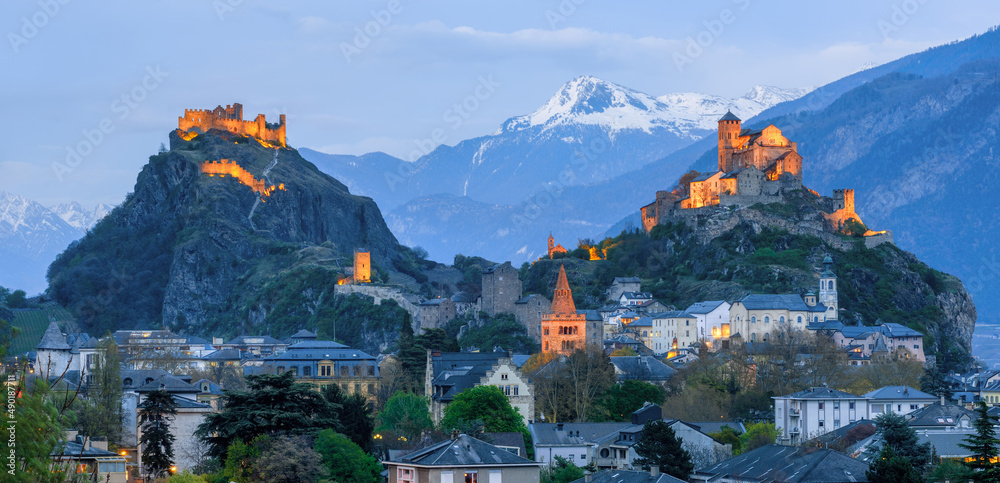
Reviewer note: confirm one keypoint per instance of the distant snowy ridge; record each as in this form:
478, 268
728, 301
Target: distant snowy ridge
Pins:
588, 100
79, 217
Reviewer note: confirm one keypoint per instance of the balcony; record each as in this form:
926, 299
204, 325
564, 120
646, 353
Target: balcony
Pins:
794, 412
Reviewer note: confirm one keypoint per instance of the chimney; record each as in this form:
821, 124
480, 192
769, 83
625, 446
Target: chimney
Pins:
942, 399
654, 471
454, 434
436, 353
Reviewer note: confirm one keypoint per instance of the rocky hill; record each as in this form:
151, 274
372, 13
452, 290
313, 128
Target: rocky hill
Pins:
729, 253
207, 255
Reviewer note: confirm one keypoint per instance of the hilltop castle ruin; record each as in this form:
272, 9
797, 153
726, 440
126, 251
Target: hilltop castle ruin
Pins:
754, 166
230, 118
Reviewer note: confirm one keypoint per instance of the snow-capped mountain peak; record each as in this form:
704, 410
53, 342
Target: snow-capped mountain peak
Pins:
588, 100
79, 217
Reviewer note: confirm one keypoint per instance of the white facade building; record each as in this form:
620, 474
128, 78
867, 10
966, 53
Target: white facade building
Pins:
815, 411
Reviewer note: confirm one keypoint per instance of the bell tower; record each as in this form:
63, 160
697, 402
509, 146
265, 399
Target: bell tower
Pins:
828, 290
729, 131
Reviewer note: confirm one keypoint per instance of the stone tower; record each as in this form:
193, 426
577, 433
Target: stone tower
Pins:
828, 290
563, 329
362, 266
729, 133
501, 288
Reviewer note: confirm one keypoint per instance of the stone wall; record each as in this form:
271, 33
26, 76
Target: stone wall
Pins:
380, 292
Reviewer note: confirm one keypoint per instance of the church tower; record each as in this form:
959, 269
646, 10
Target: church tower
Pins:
563, 329
828, 290
729, 132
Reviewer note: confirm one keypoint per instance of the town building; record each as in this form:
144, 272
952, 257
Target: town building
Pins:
674, 329
435, 313
450, 373
461, 459
865, 342
712, 320
555, 249
90, 459
322, 363
255, 345
815, 411
53, 353
897, 399
942, 416
501, 289
528, 311
621, 285
183, 425
565, 329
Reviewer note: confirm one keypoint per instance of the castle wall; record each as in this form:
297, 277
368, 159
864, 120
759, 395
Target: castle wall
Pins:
231, 119
529, 314
872, 241
380, 293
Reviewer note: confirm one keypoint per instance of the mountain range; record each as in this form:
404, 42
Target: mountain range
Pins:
588, 133
31, 236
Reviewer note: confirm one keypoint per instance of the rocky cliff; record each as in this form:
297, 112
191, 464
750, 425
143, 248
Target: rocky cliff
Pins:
206, 254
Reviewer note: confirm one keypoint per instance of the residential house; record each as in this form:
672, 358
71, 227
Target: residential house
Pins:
942, 416
148, 349
626, 476
209, 393
188, 448
90, 459
302, 335
712, 320
322, 363
898, 399
815, 411
756, 316
884, 339
450, 373
462, 459
674, 330
621, 285
785, 464
623, 341
633, 299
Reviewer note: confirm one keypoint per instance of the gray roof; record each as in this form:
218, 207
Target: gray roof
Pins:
947, 443
621, 339
591, 314
637, 295
458, 371
520, 359
716, 426
626, 476
626, 280
185, 403
575, 434
213, 388
779, 302
704, 307
515, 440
168, 383
316, 350
303, 334
729, 116
464, 451
53, 339
642, 368
642, 322
822, 393
899, 392
76, 448
941, 416
774, 463
434, 302
223, 355
673, 314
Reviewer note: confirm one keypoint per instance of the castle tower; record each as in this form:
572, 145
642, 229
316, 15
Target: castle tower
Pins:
362, 266
729, 132
828, 290
501, 287
563, 329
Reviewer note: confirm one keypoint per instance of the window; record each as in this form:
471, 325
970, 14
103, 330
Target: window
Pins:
545, 331
571, 457
405, 475
753, 319
851, 405
371, 389
307, 371
836, 423
583, 457
515, 390
781, 320
821, 405
821, 424
605, 453
913, 406
325, 370
836, 405
767, 319
799, 320
503, 377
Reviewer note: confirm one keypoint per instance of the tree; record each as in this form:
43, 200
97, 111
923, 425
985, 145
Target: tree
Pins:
621, 400
591, 373
985, 447
503, 330
412, 356
757, 435
935, 382
240, 458
437, 339
405, 414
289, 459
155, 414
344, 460
564, 471
17, 299
46, 413
355, 415
889, 467
729, 436
483, 403
624, 351
271, 405
102, 413
659, 446
896, 432
537, 360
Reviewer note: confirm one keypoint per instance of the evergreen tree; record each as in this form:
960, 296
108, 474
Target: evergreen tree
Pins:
985, 447
659, 446
271, 405
889, 467
896, 432
155, 414
355, 415
405, 414
934, 382
564, 471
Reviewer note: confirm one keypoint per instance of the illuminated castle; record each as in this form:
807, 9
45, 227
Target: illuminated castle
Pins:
230, 118
225, 168
362, 266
